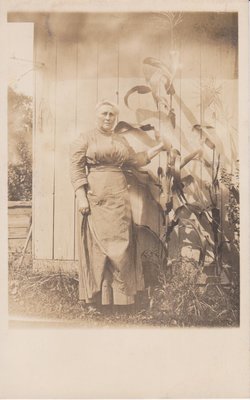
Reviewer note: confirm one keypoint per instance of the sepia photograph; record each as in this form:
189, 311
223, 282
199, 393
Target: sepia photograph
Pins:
124, 201
123, 168
123, 171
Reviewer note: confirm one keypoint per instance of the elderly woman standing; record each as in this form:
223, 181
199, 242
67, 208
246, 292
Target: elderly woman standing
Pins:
110, 269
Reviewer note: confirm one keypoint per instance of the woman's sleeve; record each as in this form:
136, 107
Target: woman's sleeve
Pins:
78, 162
136, 159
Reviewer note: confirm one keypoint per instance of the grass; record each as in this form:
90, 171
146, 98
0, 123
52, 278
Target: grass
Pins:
177, 300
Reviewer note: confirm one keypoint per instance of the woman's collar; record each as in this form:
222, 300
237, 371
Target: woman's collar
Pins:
103, 132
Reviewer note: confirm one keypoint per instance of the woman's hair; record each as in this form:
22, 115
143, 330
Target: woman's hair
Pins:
108, 103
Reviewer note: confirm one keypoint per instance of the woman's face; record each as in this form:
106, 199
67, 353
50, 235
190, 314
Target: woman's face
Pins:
106, 117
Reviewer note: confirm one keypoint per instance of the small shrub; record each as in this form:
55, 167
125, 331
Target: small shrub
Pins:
20, 115
20, 174
182, 301
231, 181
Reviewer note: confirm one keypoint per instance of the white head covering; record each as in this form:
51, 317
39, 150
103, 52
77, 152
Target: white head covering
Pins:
108, 103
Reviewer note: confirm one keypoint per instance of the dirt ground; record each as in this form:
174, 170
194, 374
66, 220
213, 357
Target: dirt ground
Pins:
177, 300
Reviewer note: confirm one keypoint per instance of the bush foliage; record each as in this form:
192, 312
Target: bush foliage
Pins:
231, 181
20, 174
20, 138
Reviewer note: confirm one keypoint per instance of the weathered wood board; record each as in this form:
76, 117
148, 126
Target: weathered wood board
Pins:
19, 220
44, 143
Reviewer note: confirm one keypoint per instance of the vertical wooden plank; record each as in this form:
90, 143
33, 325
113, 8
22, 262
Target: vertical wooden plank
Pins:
178, 229
43, 146
64, 134
151, 46
86, 96
166, 55
87, 84
208, 52
107, 67
228, 158
202, 80
226, 119
177, 235
128, 72
190, 97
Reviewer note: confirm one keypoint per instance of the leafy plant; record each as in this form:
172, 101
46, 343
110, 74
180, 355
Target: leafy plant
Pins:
231, 181
182, 299
207, 220
20, 113
20, 174
20, 137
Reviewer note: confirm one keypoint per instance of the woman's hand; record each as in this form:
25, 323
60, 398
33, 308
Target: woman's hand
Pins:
155, 150
83, 206
83, 203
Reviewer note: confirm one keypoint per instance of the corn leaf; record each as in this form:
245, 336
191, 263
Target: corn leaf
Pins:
141, 89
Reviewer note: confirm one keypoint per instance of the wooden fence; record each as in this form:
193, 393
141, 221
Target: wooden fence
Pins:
19, 220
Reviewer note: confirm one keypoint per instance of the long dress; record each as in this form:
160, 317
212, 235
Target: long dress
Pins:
107, 242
